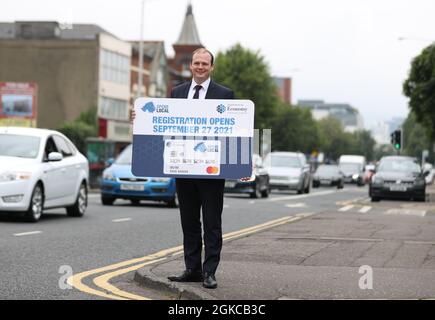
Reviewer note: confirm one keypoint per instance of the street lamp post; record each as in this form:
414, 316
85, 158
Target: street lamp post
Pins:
140, 74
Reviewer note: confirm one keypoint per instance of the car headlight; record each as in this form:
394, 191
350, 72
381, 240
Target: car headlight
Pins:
355, 176
160, 179
109, 176
377, 180
14, 176
294, 179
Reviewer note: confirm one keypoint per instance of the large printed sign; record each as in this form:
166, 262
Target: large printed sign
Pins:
18, 103
210, 139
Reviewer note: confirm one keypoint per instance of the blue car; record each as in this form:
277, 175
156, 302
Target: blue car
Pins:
119, 183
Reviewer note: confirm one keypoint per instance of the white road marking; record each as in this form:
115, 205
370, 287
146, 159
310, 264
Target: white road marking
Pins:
121, 220
420, 213
365, 209
26, 233
321, 193
296, 205
252, 202
346, 208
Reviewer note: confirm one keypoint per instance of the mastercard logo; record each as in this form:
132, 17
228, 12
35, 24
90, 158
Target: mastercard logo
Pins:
212, 170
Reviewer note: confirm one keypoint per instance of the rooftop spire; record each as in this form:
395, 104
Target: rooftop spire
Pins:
189, 32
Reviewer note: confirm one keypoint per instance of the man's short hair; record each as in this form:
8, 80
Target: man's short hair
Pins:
203, 50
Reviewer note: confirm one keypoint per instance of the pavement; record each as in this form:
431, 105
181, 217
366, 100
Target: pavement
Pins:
330, 255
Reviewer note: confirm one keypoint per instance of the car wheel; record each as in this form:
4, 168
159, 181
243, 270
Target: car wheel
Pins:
78, 209
36, 206
174, 202
257, 192
107, 201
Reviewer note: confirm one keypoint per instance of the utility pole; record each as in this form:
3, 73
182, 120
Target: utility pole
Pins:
140, 57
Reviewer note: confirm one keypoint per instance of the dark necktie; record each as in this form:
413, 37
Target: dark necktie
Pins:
197, 88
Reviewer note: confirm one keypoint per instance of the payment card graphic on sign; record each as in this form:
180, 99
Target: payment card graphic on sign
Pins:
193, 138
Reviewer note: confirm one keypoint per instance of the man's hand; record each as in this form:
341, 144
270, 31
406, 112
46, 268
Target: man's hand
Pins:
245, 179
132, 115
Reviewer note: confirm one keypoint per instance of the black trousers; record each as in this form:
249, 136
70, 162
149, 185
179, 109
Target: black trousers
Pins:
208, 194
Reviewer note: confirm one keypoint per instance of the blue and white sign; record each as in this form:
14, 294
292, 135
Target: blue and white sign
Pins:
184, 138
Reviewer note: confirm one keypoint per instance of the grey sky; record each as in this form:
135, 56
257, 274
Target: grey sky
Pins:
344, 51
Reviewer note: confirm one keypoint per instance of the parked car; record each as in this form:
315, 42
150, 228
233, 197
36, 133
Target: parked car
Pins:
41, 169
288, 171
118, 182
352, 167
329, 175
257, 187
398, 177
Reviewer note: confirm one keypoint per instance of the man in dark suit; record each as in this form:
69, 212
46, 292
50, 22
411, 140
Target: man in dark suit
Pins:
194, 194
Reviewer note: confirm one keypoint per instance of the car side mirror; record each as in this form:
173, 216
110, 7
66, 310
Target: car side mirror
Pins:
55, 156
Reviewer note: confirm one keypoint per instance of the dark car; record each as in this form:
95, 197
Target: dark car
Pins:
353, 173
329, 175
257, 186
398, 177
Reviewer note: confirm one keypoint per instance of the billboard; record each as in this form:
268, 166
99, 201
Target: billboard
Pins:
18, 104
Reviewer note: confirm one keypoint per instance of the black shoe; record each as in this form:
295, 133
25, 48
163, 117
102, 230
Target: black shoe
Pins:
189, 275
209, 281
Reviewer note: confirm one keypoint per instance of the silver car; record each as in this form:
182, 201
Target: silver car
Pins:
288, 171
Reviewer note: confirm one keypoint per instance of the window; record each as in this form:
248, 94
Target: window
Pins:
62, 146
114, 67
113, 108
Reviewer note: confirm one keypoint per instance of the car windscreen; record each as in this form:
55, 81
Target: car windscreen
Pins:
350, 167
284, 161
399, 166
327, 170
22, 146
125, 156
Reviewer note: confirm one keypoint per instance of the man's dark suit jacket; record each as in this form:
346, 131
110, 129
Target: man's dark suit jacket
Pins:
206, 193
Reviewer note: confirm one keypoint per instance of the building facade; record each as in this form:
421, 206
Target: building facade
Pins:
349, 116
75, 68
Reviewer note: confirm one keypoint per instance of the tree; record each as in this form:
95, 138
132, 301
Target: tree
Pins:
364, 144
248, 75
294, 129
84, 126
334, 141
416, 138
420, 89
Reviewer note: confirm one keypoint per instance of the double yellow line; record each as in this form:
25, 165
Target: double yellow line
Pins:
109, 291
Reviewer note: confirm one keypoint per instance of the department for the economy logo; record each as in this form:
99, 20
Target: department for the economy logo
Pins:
221, 108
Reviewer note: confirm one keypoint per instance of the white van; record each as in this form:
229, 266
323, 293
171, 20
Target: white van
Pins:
352, 167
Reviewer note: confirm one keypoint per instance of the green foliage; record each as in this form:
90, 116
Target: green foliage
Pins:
294, 129
420, 88
248, 75
81, 128
416, 138
364, 144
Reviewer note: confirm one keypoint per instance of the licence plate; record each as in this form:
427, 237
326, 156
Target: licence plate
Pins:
230, 184
398, 188
325, 181
132, 187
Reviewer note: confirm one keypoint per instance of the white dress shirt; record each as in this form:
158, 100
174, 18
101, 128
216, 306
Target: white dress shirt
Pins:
202, 91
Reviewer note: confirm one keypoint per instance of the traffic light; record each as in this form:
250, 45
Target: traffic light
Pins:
396, 139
